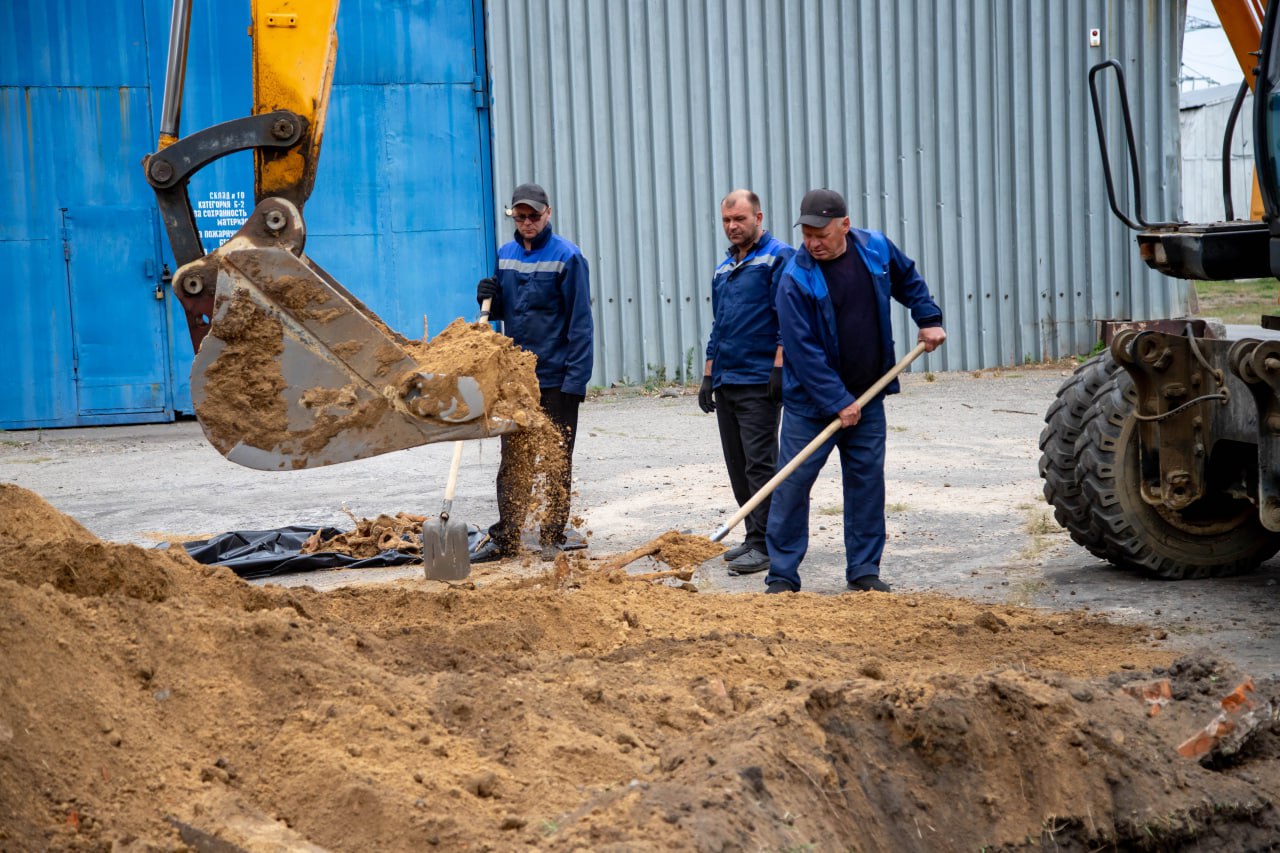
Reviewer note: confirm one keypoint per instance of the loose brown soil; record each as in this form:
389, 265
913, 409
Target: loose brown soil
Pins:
678, 550
247, 379
149, 703
505, 374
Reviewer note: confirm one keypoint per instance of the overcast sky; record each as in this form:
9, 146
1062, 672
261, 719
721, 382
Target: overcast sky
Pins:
1206, 53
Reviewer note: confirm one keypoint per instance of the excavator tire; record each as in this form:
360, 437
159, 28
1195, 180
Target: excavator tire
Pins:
1063, 424
1218, 536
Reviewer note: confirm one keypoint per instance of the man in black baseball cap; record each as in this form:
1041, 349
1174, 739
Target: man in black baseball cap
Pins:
818, 207
837, 340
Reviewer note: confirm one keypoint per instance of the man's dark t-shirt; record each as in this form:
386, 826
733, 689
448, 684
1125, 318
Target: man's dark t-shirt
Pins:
857, 319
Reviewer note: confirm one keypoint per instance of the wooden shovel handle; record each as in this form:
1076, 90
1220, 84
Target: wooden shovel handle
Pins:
452, 485
832, 429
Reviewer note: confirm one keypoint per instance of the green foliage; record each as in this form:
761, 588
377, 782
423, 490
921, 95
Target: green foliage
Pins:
655, 378
1238, 302
1097, 348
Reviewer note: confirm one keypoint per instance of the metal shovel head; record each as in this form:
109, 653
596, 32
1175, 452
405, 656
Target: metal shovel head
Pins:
444, 550
295, 372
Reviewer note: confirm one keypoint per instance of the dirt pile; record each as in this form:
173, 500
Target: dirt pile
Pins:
145, 700
680, 551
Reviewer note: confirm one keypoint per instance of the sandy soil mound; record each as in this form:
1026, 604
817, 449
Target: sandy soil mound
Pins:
149, 703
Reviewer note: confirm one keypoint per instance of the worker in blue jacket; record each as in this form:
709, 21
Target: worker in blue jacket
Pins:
742, 378
833, 312
542, 295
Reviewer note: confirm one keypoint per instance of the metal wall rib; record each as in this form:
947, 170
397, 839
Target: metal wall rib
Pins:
963, 130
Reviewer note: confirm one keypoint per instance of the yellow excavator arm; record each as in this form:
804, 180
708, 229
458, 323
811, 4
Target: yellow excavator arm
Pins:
1242, 23
295, 44
291, 370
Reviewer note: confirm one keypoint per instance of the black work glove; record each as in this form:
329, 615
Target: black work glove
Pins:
775, 385
487, 288
705, 401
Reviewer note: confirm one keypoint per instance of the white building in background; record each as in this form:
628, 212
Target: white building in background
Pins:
1203, 115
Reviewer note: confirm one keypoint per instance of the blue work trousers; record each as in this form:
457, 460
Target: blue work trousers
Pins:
862, 473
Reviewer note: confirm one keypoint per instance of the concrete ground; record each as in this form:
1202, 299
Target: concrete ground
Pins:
965, 509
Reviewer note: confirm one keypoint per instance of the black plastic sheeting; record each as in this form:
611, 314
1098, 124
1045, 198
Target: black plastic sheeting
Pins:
254, 554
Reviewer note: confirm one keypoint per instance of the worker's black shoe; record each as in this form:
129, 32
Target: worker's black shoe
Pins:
735, 553
489, 550
749, 563
868, 583
779, 586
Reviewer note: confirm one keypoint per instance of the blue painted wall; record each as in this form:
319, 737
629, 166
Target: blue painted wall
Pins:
402, 212
83, 332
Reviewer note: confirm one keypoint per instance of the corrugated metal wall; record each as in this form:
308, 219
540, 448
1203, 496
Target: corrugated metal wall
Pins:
961, 129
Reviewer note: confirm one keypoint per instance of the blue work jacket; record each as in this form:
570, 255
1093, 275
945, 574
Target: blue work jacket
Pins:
811, 384
744, 327
545, 307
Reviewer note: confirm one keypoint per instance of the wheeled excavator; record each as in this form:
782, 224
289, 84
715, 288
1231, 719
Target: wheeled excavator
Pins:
291, 369
1162, 453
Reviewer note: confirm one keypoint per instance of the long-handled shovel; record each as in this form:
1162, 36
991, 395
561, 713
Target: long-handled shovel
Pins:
444, 545
832, 429
655, 545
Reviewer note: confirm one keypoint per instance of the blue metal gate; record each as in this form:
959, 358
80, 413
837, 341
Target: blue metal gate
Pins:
115, 298
85, 336
402, 212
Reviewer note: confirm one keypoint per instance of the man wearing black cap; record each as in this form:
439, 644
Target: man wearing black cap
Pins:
543, 297
833, 312
742, 381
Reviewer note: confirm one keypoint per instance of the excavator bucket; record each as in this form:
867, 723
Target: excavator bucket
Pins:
295, 372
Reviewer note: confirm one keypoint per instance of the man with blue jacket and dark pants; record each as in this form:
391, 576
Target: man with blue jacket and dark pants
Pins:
742, 379
543, 297
833, 311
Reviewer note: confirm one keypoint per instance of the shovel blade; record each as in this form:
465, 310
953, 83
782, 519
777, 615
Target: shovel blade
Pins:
445, 556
